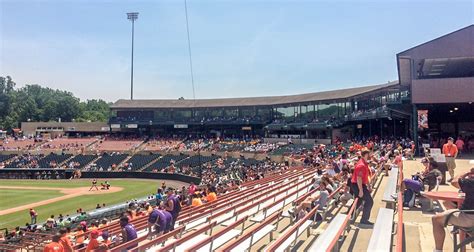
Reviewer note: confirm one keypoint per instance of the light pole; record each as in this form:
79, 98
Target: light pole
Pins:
132, 16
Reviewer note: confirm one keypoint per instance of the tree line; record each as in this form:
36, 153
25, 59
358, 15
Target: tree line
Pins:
36, 103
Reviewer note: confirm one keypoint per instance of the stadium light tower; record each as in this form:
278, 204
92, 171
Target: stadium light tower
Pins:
132, 16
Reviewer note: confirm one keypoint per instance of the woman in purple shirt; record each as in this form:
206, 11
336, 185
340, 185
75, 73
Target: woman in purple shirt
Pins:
128, 232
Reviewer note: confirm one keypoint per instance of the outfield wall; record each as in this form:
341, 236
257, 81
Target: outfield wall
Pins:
10, 173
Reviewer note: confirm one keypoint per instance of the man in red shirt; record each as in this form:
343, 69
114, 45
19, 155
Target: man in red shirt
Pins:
361, 186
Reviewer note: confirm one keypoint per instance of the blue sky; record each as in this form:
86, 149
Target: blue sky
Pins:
240, 47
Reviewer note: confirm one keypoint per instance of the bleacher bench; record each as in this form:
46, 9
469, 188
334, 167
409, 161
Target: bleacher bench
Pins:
391, 188
324, 240
381, 238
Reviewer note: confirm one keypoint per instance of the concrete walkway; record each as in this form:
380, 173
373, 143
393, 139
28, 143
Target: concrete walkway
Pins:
417, 219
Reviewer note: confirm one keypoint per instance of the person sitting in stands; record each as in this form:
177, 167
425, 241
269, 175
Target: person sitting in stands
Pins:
65, 241
465, 182
94, 226
94, 244
196, 200
103, 223
319, 198
128, 232
78, 234
105, 241
429, 177
211, 195
54, 245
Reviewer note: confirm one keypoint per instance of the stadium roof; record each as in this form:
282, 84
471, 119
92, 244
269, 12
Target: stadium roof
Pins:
458, 43
251, 101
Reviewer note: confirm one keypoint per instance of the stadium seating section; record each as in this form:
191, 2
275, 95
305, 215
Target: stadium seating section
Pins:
82, 160
108, 160
164, 162
53, 158
139, 161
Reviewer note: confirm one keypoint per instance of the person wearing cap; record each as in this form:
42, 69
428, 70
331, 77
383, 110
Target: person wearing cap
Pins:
450, 151
54, 245
93, 242
106, 242
361, 186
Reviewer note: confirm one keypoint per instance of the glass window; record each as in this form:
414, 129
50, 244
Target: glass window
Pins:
231, 112
215, 112
182, 114
247, 112
328, 110
307, 113
287, 113
264, 113
161, 114
199, 113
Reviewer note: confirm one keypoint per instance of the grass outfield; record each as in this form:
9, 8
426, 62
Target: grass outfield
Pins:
10, 198
131, 189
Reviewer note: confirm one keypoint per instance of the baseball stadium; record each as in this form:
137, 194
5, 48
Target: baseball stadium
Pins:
377, 167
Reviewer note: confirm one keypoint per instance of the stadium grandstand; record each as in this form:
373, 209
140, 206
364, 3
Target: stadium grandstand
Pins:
273, 173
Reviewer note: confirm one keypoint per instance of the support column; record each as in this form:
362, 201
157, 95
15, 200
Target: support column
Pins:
394, 127
381, 129
415, 129
370, 128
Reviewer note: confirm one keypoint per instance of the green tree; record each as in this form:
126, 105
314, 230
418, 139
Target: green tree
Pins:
36, 103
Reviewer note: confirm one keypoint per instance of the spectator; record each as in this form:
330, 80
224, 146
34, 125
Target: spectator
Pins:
105, 241
129, 232
464, 182
211, 195
450, 151
460, 145
103, 223
319, 199
159, 220
54, 245
172, 206
410, 187
361, 187
79, 234
65, 241
196, 200
93, 242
